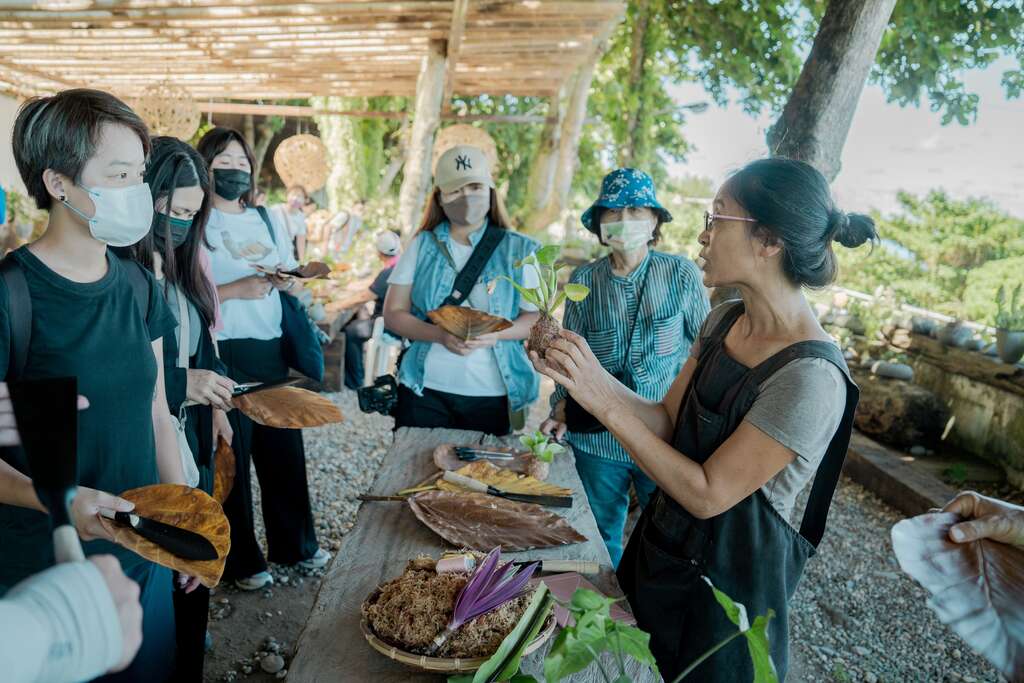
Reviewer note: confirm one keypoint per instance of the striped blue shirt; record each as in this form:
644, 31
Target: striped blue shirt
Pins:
674, 307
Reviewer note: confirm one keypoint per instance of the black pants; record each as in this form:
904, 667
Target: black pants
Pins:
191, 611
280, 460
439, 409
356, 334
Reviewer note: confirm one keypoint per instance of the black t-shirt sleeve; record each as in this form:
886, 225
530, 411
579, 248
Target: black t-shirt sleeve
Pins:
5, 332
380, 283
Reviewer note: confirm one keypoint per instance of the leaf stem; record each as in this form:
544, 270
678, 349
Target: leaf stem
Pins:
707, 654
618, 651
597, 660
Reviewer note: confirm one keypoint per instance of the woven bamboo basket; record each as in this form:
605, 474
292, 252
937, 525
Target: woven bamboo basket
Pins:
444, 664
464, 134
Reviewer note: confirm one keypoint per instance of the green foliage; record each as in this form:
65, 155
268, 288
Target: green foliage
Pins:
541, 445
593, 632
1009, 317
548, 295
956, 474
955, 255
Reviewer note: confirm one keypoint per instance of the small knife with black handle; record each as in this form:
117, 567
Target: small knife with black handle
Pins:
480, 487
188, 545
561, 566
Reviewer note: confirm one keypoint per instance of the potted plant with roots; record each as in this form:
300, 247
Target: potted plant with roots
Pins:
1009, 325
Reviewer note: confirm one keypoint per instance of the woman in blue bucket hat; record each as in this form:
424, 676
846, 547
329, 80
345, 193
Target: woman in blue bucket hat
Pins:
644, 311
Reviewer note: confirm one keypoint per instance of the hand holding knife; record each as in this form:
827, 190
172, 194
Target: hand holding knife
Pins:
186, 544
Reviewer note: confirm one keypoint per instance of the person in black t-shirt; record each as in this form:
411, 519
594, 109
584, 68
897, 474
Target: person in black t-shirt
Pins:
389, 245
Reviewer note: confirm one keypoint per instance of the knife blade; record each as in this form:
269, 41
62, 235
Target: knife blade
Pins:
253, 387
561, 566
463, 453
186, 544
481, 487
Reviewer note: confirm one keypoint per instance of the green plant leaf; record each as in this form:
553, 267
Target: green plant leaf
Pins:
576, 292
584, 599
568, 655
760, 655
547, 256
557, 302
522, 678
527, 294
736, 612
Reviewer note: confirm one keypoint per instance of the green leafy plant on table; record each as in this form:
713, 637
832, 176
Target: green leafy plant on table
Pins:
594, 632
541, 445
1009, 317
547, 296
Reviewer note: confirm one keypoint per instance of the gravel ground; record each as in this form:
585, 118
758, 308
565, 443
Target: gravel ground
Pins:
855, 617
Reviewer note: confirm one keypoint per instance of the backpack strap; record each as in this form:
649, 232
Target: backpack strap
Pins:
262, 211
140, 285
19, 313
470, 273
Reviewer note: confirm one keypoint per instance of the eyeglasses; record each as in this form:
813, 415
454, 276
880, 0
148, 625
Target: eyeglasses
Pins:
710, 218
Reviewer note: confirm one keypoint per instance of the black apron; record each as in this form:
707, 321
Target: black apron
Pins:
750, 552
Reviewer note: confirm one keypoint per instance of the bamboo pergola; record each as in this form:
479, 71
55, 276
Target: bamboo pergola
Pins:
273, 49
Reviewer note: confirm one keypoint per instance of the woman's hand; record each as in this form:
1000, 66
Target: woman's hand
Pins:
125, 594
186, 583
221, 427
454, 344
986, 517
570, 362
281, 283
207, 388
484, 341
85, 510
250, 287
555, 425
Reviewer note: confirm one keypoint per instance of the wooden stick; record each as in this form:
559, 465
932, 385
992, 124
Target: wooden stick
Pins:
381, 499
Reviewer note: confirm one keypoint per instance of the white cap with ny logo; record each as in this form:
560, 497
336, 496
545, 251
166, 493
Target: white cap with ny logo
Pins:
460, 166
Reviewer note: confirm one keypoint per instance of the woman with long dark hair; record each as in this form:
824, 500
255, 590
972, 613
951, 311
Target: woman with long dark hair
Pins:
198, 394
242, 238
763, 406
445, 381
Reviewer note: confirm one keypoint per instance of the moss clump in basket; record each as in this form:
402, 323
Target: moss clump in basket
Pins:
411, 610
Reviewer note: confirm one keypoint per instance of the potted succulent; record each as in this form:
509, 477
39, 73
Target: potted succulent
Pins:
547, 296
1009, 325
542, 446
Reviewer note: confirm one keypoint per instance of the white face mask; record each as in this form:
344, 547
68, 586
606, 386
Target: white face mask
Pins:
123, 214
627, 236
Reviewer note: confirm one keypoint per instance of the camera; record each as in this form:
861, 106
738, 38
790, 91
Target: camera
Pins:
380, 397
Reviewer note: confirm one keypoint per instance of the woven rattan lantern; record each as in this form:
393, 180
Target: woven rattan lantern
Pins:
168, 109
302, 160
463, 134
63, 5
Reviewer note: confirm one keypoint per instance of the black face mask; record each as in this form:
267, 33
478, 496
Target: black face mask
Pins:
231, 183
179, 228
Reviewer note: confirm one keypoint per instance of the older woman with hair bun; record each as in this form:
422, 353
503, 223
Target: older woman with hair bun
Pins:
763, 406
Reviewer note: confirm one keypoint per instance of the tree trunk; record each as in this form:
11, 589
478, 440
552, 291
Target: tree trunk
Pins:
572, 115
397, 159
814, 124
545, 163
266, 130
426, 119
637, 57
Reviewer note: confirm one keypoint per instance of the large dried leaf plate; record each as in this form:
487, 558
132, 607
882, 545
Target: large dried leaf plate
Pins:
467, 323
288, 408
223, 470
481, 522
184, 507
977, 588
503, 479
524, 463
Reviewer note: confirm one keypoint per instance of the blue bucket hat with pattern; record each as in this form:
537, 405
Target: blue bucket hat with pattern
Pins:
621, 188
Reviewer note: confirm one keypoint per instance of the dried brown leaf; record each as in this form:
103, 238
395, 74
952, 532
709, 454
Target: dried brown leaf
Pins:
480, 522
184, 507
224, 470
467, 323
311, 270
503, 479
977, 588
288, 408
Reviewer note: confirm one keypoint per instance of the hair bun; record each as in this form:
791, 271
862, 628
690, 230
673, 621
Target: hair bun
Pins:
851, 229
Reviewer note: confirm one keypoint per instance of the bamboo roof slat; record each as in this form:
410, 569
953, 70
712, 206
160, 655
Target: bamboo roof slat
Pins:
271, 49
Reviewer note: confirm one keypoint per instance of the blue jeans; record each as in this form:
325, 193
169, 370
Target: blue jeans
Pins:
606, 483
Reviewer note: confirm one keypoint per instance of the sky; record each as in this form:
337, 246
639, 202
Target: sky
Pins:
889, 148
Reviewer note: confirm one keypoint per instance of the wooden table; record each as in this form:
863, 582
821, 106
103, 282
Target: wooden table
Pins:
385, 537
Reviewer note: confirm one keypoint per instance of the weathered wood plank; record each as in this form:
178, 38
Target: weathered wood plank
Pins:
971, 364
385, 536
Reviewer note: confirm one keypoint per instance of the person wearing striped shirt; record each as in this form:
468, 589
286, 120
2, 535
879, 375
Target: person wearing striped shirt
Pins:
644, 311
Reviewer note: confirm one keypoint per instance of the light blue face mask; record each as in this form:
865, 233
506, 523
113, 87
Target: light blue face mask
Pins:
627, 235
123, 215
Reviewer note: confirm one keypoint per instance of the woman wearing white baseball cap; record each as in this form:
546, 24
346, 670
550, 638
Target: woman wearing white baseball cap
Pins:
466, 236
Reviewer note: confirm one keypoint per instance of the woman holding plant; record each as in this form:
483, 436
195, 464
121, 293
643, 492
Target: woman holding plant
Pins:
444, 380
763, 405
643, 313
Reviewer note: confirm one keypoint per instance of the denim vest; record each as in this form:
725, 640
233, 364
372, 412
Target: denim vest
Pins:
433, 283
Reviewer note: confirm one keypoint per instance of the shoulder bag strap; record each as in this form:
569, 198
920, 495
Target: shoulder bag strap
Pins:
183, 328
470, 273
262, 211
19, 313
636, 317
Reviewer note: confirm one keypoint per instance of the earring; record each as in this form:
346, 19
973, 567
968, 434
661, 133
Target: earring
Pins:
62, 197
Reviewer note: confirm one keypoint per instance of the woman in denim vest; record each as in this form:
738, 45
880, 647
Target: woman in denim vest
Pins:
443, 380
643, 313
